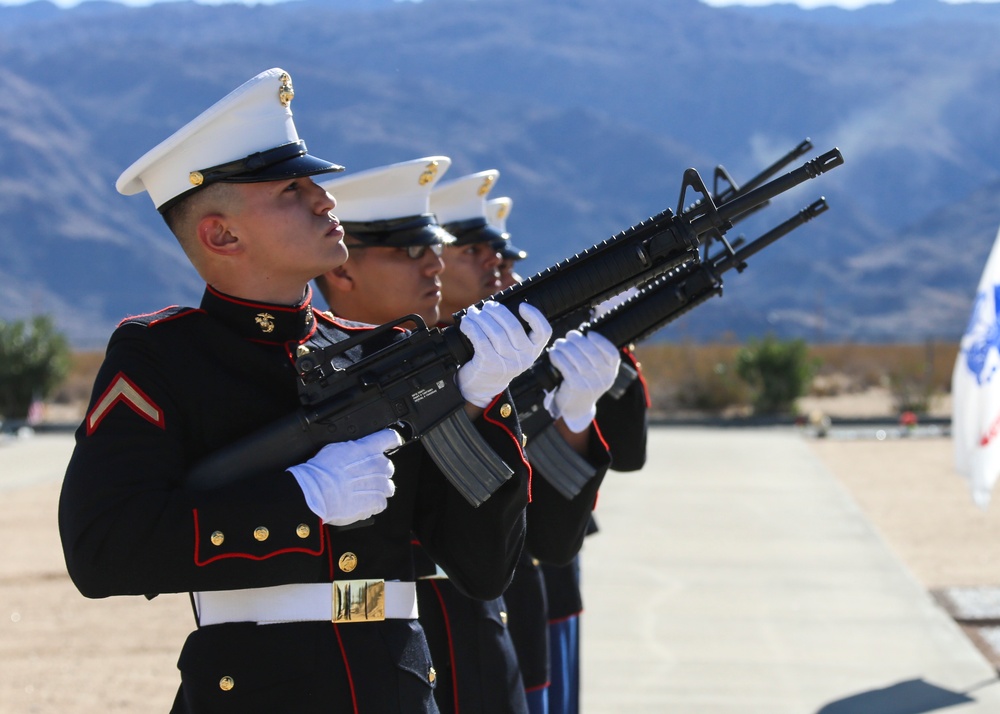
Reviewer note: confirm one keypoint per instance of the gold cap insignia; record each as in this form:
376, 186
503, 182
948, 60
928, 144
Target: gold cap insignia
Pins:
428, 174
487, 185
285, 92
266, 321
196, 178
502, 210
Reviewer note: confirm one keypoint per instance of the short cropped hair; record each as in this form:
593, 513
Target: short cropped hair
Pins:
182, 218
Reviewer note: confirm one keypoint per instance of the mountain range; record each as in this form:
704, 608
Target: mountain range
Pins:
591, 110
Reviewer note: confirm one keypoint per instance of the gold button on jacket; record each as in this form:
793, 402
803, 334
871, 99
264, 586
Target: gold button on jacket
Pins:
348, 562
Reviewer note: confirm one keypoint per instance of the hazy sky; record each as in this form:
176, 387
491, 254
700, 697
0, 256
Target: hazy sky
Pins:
802, 3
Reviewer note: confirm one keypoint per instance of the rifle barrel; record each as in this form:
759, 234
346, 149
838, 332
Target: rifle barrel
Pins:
747, 201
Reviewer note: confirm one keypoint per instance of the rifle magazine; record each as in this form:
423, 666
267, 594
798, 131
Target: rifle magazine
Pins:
626, 375
564, 469
466, 460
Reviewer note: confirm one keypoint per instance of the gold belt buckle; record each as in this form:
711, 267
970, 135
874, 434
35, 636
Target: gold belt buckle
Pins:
358, 600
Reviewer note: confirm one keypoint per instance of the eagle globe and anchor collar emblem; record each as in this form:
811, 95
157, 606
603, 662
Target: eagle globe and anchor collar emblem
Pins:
265, 321
268, 323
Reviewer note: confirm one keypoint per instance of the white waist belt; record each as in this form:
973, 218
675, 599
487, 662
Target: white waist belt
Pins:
341, 601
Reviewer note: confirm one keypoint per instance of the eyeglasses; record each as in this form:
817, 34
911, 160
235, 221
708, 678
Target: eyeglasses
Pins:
414, 252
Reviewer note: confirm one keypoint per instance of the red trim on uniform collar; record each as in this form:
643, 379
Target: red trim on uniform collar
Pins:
262, 322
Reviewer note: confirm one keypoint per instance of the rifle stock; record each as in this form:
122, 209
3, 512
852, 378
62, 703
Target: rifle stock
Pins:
410, 383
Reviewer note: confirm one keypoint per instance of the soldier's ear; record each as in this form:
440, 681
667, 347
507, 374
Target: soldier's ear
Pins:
214, 235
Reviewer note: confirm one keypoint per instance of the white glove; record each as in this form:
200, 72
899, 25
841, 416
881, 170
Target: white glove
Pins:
351, 480
603, 308
502, 348
588, 365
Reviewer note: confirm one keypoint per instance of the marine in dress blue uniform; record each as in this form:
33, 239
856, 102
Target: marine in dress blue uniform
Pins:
623, 423
555, 525
394, 238
261, 564
544, 599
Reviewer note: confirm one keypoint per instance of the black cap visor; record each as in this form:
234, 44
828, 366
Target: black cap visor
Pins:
507, 250
399, 232
287, 161
473, 230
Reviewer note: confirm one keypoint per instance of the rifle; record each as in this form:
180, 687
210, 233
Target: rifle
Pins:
719, 195
734, 190
662, 301
410, 383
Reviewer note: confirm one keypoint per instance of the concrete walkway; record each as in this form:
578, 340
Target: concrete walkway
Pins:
734, 575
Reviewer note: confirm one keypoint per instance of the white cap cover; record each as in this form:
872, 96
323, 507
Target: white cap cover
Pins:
390, 205
386, 192
497, 210
460, 206
246, 136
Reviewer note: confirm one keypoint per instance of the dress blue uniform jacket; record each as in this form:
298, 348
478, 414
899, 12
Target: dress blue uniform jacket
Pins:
624, 424
182, 383
489, 653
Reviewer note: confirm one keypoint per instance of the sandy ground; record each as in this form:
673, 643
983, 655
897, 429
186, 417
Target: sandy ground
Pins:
909, 490
58, 651
62, 653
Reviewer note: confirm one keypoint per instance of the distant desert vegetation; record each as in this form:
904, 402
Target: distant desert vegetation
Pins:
690, 379
892, 378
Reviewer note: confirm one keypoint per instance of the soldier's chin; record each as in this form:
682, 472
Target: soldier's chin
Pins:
339, 254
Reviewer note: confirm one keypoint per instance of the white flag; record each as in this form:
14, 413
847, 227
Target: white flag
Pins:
975, 388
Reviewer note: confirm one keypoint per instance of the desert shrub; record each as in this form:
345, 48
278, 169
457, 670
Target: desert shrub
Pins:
34, 360
688, 376
777, 372
714, 389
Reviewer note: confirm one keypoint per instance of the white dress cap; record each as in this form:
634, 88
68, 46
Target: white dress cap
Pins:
247, 136
390, 205
497, 210
460, 206
463, 198
386, 192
